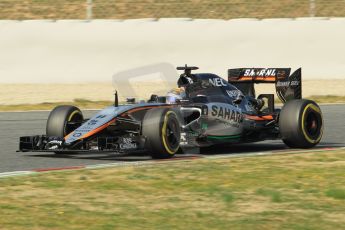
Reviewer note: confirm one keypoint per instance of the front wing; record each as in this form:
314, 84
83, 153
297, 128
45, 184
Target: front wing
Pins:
42, 143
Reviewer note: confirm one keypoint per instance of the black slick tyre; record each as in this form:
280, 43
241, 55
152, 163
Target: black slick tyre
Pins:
301, 123
59, 117
161, 128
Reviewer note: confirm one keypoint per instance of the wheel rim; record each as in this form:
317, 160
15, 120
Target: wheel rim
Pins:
76, 116
313, 124
172, 137
171, 133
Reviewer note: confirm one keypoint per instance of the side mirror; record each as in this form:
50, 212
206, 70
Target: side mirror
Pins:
238, 100
153, 98
130, 100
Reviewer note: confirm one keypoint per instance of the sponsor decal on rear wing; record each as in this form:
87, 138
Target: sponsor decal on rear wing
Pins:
288, 86
258, 75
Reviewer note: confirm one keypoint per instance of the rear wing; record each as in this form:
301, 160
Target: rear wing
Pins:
288, 86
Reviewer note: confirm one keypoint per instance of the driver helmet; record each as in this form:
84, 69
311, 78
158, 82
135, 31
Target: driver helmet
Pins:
174, 95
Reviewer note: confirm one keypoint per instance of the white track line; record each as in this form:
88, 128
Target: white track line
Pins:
268, 153
16, 173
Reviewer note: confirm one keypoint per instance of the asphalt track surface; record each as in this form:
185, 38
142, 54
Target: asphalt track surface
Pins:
16, 124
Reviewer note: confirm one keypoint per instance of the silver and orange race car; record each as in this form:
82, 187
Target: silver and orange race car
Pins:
211, 111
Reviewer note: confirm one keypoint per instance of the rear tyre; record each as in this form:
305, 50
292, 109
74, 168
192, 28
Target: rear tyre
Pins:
301, 123
59, 117
161, 127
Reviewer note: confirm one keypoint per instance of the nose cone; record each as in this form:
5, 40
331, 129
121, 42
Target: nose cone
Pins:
96, 123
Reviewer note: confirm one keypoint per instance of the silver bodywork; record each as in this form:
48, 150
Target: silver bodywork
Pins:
223, 119
102, 118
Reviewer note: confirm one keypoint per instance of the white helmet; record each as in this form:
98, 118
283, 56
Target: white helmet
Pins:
174, 95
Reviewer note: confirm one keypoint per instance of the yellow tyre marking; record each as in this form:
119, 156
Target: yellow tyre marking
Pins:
72, 114
164, 133
316, 109
69, 119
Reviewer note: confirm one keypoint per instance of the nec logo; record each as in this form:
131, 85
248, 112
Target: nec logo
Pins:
259, 72
217, 82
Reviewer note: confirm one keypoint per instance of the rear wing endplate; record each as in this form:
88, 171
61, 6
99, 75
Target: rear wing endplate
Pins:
288, 86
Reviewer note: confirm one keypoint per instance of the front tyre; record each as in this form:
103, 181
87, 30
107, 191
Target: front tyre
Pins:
161, 127
301, 123
59, 117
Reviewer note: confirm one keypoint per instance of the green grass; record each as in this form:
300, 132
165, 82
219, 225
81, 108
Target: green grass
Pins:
322, 99
336, 193
327, 99
296, 191
123, 9
273, 194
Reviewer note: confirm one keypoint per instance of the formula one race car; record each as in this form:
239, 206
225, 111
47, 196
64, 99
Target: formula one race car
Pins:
209, 111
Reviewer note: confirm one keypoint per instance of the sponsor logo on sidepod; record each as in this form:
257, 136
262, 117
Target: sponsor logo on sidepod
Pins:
226, 114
